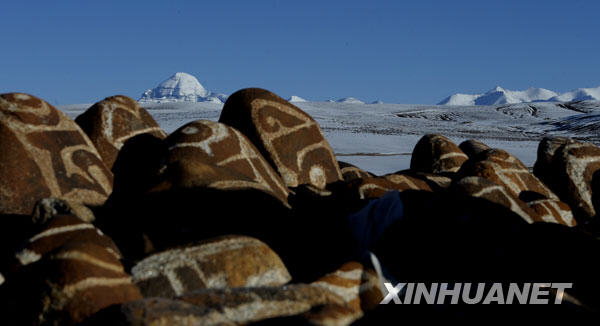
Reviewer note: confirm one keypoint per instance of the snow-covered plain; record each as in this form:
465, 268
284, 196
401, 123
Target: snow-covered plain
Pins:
381, 137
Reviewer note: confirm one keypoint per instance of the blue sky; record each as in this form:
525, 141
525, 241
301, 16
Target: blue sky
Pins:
395, 51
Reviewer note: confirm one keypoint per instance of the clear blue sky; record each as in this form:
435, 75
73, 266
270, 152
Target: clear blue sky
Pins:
396, 51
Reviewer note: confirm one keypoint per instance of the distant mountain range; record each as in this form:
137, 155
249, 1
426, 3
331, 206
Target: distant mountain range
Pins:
499, 95
183, 87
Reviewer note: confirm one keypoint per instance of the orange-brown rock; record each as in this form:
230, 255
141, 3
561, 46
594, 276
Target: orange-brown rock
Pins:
244, 305
436, 154
220, 307
484, 188
575, 173
110, 122
504, 169
213, 155
72, 283
45, 154
554, 211
542, 210
229, 261
473, 147
60, 230
359, 287
351, 172
290, 140
375, 187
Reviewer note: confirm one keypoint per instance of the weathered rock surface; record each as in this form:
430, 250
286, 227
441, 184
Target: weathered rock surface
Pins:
473, 147
224, 262
357, 286
237, 306
47, 208
574, 170
110, 122
290, 140
244, 305
351, 172
71, 284
214, 155
504, 169
59, 231
485, 188
375, 187
45, 154
543, 168
436, 154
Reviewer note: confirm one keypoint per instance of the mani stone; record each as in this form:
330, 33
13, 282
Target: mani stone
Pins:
245, 305
359, 287
351, 172
574, 171
158, 312
473, 147
435, 153
76, 281
504, 169
224, 262
110, 122
214, 155
375, 187
60, 230
219, 307
290, 140
486, 189
45, 154
47, 208
545, 153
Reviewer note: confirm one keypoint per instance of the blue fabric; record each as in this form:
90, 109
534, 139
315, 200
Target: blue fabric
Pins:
369, 223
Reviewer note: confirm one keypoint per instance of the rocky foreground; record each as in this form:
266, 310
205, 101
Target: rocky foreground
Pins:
107, 220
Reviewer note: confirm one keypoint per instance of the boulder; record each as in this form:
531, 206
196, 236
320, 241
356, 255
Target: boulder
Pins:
473, 147
545, 153
375, 187
351, 172
47, 208
204, 180
110, 122
553, 211
70, 284
290, 140
46, 154
480, 187
504, 169
213, 155
59, 231
359, 287
222, 307
574, 172
244, 305
436, 154
224, 262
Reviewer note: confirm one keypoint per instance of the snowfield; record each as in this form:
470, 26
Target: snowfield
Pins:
380, 137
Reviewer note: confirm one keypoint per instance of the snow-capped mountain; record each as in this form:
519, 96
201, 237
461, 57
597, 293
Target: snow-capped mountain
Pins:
181, 87
350, 100
499, 95
581, 94
296, 99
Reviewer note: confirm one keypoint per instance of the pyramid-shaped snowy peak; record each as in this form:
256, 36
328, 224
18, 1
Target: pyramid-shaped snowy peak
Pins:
181, 87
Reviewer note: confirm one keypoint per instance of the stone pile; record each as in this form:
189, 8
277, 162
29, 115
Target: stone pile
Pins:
244, 221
